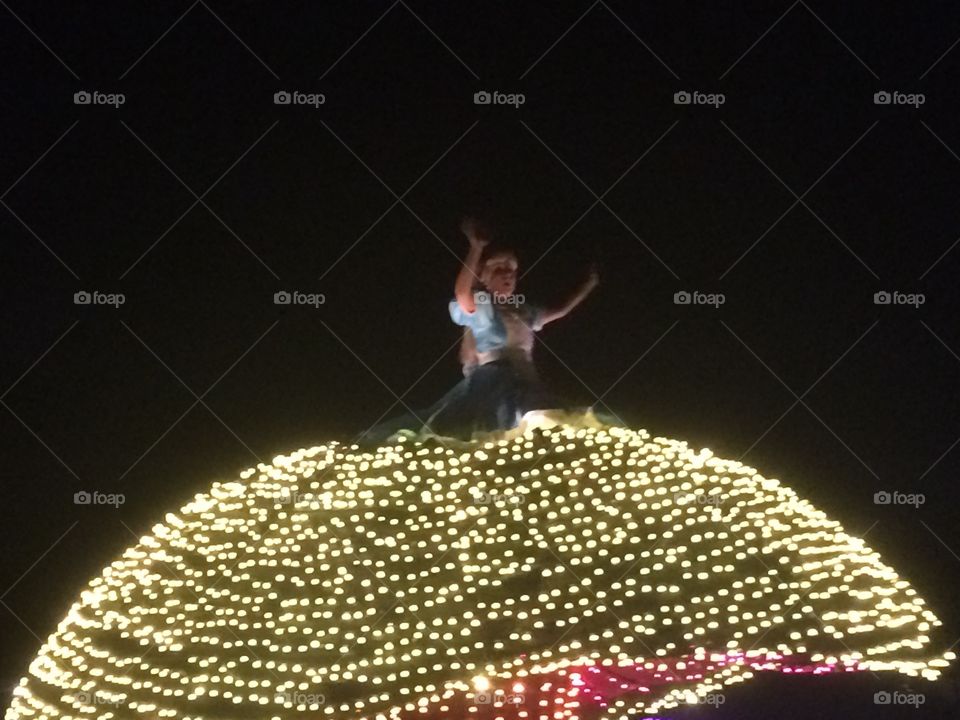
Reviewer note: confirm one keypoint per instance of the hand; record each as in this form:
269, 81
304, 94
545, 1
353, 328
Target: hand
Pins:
474, 234
593, 276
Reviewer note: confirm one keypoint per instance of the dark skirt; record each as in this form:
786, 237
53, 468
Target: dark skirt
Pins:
494, 396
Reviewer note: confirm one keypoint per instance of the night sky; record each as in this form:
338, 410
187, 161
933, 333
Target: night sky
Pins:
198, 198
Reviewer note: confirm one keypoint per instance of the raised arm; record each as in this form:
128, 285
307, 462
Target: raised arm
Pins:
469, 271
551, 314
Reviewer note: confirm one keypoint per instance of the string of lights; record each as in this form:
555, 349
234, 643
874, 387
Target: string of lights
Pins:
564, 571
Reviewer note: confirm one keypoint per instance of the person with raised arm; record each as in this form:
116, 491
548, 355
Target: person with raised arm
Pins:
500, 383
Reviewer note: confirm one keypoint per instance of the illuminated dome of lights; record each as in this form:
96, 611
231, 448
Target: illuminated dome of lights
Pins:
566, 569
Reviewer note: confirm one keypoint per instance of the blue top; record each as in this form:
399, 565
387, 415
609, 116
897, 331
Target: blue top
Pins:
498, 324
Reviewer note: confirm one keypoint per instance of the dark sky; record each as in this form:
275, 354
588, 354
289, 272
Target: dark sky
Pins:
198, 198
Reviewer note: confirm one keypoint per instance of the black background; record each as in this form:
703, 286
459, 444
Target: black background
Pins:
97, 398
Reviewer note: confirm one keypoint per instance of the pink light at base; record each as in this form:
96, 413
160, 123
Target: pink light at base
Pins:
585, 692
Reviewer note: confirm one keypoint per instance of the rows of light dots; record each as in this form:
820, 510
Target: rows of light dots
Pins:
372, 578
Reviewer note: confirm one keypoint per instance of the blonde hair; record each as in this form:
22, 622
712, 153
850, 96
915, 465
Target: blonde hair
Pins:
496, 259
